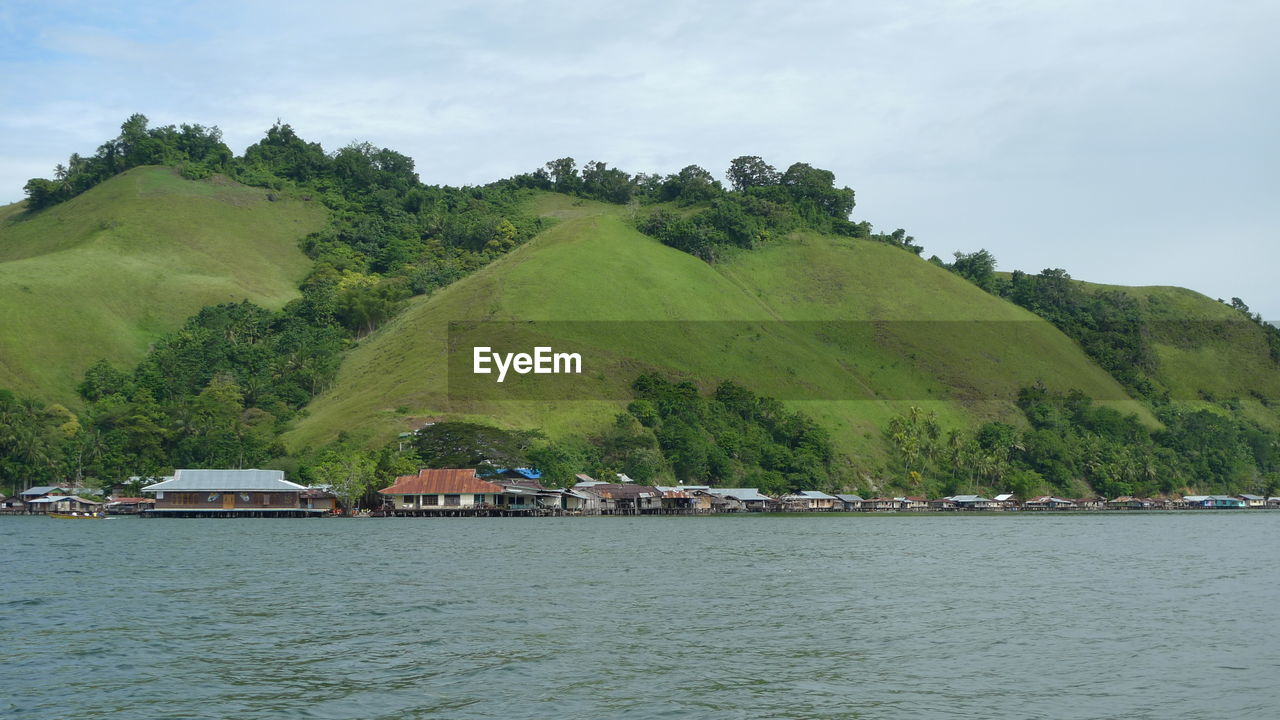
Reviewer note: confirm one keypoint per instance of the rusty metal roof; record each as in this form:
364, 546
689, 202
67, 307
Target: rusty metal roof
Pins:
441, 482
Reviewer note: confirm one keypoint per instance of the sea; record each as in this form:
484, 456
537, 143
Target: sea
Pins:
1016, 615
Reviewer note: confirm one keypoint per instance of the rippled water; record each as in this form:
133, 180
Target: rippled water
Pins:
1046, 616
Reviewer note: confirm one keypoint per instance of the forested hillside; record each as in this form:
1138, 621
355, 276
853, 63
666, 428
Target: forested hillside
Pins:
168, 303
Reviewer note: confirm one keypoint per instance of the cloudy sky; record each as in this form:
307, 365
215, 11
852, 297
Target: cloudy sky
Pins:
1129, 142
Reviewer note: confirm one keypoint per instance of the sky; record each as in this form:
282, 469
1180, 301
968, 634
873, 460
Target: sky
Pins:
1132, 143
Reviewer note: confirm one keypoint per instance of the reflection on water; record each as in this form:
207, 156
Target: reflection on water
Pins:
1072, 616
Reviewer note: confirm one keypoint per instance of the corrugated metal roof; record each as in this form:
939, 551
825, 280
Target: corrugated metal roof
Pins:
226, 481
448, 481
61, 498
620, 491
39, 490
743, 494
813, 495
850, 498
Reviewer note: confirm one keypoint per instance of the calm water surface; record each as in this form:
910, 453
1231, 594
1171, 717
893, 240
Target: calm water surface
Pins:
1047, 616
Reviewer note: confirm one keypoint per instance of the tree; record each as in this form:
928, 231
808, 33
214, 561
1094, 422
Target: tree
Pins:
750, 171
815, 188
348, 473
564, 175
470, 445
978, 268
692, 184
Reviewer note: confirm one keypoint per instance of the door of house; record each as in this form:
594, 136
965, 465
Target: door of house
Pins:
228, 501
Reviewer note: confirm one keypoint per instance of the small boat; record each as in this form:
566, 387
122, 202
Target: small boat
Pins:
77, 516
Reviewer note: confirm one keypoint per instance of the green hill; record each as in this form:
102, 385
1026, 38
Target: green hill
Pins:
106, 273
913, 334
1207, 354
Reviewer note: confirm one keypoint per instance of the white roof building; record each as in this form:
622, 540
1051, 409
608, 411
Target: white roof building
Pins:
225, 481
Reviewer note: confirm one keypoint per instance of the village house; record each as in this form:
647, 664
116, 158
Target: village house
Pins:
128, 505
227, 493
945, 503
973, 502
881, 503
912, 502
1126, 502
62, 504
1048, 502
39, 491
1213, 502
625, 498
809, 500
1253, 501
319, 498
750, 499
677, 500
1008, 501
456, 491
848, 502
685, 499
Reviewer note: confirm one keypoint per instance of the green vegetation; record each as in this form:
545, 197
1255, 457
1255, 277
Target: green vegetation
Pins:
914, 334
1072, 447
196, 151
106, 274
801, 349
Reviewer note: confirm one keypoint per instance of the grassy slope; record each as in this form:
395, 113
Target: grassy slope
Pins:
1208, 351
593, 266
104, 274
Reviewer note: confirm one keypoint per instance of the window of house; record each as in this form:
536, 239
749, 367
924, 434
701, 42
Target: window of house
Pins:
431, 500
410, 500
453, 500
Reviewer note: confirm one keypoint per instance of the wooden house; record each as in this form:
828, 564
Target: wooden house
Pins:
848, 503
881, 504
128, 505
227, 493
1213, 502
809, 500
1253, 501
972, 502
625, 498
913, 502
1008, 501
1048, 502
750, 499
38, 491
945, 503
315, 498
62, 504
